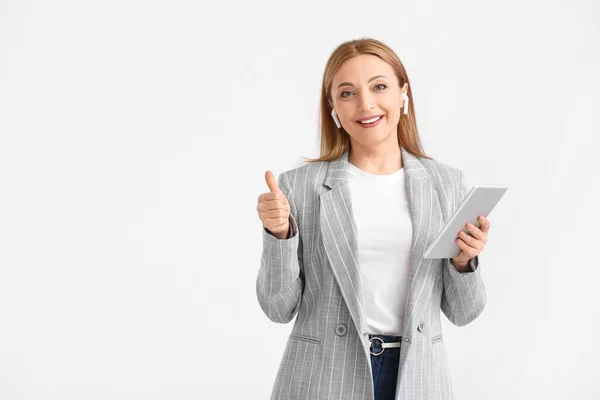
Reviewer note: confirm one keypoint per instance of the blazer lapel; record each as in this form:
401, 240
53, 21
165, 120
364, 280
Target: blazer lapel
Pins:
340, 238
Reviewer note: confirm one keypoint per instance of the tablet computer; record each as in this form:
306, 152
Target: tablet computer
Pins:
480, 200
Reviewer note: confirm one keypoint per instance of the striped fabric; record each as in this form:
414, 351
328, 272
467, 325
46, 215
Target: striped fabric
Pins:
314, 276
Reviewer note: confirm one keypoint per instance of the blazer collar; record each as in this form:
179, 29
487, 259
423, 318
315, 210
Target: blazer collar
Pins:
338, 169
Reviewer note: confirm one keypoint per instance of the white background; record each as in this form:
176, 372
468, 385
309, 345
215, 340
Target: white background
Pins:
134, 139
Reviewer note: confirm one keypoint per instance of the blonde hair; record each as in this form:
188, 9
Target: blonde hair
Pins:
334, 140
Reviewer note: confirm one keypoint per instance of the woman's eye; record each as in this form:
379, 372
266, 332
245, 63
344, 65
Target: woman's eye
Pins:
347, 91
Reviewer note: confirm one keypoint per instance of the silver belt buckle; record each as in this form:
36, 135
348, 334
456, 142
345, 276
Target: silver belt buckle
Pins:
371, 344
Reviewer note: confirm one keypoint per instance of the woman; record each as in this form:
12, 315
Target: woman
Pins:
343, 243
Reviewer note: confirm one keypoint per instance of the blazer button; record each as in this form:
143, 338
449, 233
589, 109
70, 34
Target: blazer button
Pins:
340, 330
420, 327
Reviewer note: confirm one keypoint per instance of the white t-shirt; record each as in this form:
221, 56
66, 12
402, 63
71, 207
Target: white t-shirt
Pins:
382, 215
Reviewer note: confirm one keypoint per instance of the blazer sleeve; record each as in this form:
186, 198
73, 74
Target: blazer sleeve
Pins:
464, 295
280, 280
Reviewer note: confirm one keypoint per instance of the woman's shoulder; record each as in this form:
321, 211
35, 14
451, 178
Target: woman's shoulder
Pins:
305, 178
309, 172
442, 173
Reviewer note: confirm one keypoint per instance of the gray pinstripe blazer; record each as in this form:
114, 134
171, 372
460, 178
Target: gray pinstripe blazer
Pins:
315, 275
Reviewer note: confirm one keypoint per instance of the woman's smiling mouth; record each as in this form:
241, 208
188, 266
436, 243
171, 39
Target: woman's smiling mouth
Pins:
370, 122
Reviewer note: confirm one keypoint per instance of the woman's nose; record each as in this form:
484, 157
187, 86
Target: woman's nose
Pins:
367, 103
367, 106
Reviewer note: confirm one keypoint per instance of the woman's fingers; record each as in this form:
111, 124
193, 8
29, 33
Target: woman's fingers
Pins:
468, 250
470, 240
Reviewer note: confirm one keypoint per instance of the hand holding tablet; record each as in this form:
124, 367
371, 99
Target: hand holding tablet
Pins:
480, 200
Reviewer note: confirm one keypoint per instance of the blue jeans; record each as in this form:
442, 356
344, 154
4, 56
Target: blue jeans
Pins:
385, 367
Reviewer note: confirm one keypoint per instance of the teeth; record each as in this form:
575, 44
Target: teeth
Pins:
369, 120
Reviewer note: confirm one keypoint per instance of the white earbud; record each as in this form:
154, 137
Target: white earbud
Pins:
405, 103
335, 118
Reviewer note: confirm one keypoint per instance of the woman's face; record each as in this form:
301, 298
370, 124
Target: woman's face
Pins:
366, 86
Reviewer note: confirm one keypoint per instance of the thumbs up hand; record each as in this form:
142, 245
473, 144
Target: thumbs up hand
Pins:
274, 209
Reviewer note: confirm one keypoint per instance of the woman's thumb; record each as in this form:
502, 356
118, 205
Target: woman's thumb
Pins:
272, 183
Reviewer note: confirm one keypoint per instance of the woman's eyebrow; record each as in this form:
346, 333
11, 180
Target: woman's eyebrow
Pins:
349, 84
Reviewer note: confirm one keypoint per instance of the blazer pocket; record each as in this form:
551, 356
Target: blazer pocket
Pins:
310, 339
436, 339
